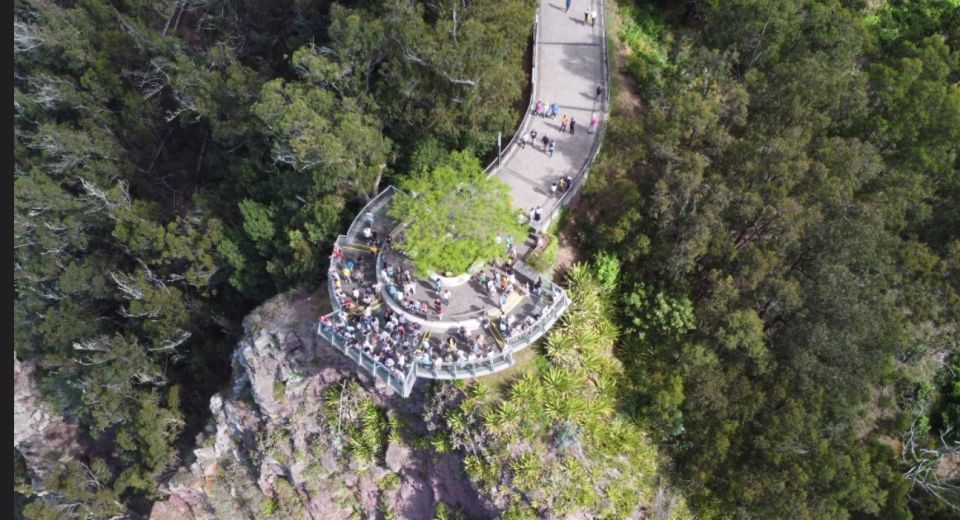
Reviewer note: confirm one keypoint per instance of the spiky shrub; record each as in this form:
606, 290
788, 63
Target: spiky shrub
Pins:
555, 443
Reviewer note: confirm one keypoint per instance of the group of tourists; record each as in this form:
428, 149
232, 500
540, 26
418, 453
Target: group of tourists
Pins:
349, 279
589, 16
461, 347
541, 109
561, 186
567, 124
499, 285
385, 336
393, 338
394, 342
549, 145
509, 325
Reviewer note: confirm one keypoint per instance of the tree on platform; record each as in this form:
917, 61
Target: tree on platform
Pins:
453, 216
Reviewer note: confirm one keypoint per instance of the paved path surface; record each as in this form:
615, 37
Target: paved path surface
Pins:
569, 67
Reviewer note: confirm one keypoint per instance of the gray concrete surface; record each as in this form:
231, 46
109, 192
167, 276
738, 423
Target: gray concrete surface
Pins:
569, 67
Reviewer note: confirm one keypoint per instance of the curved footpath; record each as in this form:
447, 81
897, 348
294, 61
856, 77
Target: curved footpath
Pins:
569, 61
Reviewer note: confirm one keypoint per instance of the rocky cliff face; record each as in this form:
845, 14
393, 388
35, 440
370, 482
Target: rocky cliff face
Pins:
43, 437
302, 434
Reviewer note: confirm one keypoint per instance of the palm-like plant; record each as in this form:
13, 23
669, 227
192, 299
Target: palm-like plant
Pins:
562, 349
526, 471
526, 390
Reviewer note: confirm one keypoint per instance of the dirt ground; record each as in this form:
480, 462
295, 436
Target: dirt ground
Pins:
567, 252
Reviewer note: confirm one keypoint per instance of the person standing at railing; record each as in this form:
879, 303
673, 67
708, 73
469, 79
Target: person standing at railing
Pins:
325, 324
593, 124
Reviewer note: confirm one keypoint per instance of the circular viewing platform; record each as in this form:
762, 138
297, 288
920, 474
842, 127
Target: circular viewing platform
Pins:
400, 326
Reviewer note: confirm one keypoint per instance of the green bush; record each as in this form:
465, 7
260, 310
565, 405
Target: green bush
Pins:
268, 507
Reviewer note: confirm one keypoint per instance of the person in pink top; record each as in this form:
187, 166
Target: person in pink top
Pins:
593, 123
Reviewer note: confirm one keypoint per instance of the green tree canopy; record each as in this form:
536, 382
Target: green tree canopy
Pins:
454, 215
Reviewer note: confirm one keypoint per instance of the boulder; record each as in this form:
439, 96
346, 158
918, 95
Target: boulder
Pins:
397, 456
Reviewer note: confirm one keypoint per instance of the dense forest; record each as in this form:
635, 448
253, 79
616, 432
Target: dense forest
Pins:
790, 237
772, 316
178, 163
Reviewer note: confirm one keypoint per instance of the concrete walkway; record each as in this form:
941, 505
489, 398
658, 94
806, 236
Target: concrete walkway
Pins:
569, 65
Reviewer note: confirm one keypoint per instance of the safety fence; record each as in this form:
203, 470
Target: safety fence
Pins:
491, 168
577, 184
403, 382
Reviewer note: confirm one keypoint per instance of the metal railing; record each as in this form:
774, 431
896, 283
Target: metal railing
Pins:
374, 204
504, 359
494, 164
401, 385
584, 171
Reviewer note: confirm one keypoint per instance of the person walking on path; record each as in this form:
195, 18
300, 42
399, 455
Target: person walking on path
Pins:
593, 18
586, 16
554, 110
538, 108
593, 123
446, 297
568, 7
564, 122
523, 141
553, 189
533, 137
573, 125
599, 90
536, 214
553, 145
545, 141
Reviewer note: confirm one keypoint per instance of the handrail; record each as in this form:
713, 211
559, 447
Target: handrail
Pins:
584, 170
559, 299
359, 356
494, 164
369, 206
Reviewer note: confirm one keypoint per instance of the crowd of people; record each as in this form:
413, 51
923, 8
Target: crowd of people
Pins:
385, 336
391, 338
396, 343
